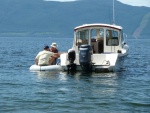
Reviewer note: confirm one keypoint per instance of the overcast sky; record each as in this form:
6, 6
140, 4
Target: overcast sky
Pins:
129, 2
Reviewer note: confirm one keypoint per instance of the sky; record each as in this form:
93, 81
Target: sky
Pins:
129, 2
136, 2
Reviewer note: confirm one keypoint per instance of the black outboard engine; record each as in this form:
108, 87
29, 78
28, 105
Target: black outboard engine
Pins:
71, 57
85, 56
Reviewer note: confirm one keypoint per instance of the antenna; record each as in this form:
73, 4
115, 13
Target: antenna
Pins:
113, 12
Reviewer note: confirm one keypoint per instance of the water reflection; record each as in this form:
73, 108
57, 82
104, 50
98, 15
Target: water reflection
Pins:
96, 83
81, 84
46, 74
76, 76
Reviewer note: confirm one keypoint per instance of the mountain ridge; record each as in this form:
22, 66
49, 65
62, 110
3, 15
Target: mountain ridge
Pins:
57, 19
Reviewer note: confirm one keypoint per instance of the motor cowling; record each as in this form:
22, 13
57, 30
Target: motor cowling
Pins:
85, 57
71, 57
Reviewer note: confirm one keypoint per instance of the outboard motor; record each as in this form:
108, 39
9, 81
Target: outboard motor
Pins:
71, 57
85, 56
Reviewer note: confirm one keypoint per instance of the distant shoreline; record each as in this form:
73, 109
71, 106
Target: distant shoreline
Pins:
30, 34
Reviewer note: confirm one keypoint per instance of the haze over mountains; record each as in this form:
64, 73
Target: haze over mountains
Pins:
57, 19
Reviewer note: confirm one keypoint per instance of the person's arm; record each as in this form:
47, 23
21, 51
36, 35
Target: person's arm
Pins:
56, 55
36, 61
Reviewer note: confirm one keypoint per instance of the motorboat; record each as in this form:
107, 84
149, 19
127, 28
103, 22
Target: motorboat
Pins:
96, 47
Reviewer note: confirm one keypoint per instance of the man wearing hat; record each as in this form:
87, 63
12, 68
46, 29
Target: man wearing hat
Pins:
54, 50
43, 58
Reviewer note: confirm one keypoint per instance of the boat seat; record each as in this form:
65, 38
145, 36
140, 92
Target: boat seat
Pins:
84, 42
93, 40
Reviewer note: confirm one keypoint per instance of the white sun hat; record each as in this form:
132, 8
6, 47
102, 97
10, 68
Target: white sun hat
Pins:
54, 45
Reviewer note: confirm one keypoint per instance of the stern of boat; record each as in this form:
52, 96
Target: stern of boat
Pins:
104, 62
101, 62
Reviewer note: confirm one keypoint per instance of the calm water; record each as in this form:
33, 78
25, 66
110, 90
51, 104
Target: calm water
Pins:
22, 91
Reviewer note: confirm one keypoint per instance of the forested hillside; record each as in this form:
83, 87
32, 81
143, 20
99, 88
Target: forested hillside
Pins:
57, 19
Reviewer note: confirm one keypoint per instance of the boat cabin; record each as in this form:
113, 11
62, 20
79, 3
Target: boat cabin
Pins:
103, 38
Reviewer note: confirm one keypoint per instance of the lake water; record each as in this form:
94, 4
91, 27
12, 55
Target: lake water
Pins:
22, 91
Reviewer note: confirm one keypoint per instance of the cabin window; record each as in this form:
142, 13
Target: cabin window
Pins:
82, 37
97, 34
93, 34
112, 38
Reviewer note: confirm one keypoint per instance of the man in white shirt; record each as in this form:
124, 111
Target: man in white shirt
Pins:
43, 57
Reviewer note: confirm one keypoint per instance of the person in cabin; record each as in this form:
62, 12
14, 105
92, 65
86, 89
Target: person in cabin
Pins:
43, 58
54, 50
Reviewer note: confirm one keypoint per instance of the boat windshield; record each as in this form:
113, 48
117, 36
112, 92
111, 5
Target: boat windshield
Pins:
82, 37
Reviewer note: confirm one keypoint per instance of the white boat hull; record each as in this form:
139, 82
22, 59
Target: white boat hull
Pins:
97, 69
46, 68
101, 62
